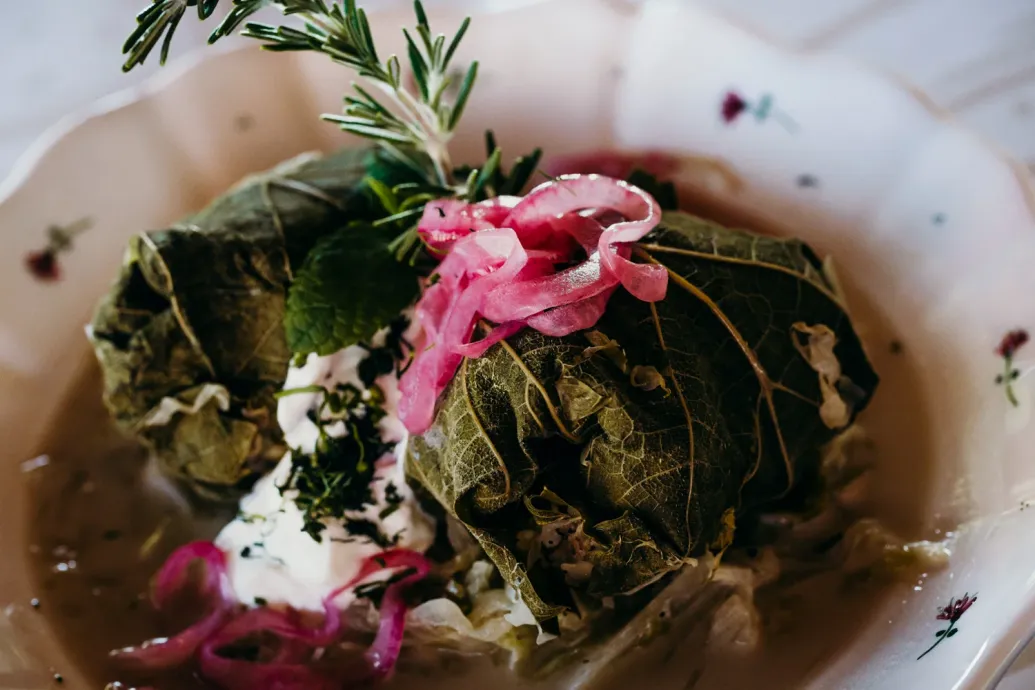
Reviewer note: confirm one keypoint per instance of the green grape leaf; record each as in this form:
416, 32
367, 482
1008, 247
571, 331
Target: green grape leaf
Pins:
641, 478
200, 306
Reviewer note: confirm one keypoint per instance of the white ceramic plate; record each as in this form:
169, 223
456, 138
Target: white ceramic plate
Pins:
934, 235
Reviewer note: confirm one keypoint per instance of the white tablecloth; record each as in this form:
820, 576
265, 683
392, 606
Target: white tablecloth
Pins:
974, 57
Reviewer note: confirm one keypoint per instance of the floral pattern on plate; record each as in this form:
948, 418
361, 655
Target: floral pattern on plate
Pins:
952, 613
1009, 345
734, 105
43, 264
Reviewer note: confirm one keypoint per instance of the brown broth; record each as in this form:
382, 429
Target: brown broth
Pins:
99, 532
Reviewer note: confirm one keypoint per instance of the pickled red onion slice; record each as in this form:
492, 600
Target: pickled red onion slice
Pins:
162, 653
573, 193
573, 317
446, 221
289, 669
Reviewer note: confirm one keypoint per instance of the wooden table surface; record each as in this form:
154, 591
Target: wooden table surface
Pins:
975, 58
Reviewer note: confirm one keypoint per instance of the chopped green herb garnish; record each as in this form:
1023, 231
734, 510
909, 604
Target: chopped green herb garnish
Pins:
375, 590
393, 498
335, 481
362, 528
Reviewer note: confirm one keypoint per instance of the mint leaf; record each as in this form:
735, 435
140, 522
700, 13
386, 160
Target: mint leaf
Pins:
349, 287
392, 171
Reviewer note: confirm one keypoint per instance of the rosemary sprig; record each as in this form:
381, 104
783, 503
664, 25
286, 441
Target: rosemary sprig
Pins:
160, 19
414, 128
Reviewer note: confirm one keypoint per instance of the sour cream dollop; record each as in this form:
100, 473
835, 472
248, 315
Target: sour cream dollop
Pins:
269, 557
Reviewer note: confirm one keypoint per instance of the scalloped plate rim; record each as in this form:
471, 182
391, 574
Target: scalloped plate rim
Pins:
983, 673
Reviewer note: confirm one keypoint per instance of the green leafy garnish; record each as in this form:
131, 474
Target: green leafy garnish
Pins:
491, 180
331, 482
348, 289
413, 127
650, 472
403, 205
335, 481
161, 19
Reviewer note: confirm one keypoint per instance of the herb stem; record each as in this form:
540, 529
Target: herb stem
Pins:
1008, 377
428, 130
317, 21
946, 633
439, 154
417, 124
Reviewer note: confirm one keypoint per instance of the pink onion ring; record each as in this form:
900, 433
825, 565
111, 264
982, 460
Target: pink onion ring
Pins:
519, 301
573, 193
384, 652
448, 312
288, 670
169, 579
479, 347
578, 316
162, 653
448, 220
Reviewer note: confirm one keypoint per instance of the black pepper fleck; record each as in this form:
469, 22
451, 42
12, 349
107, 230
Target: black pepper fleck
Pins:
111, 535
938, 219
58, 678
808, 181
246, 552
895, 347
